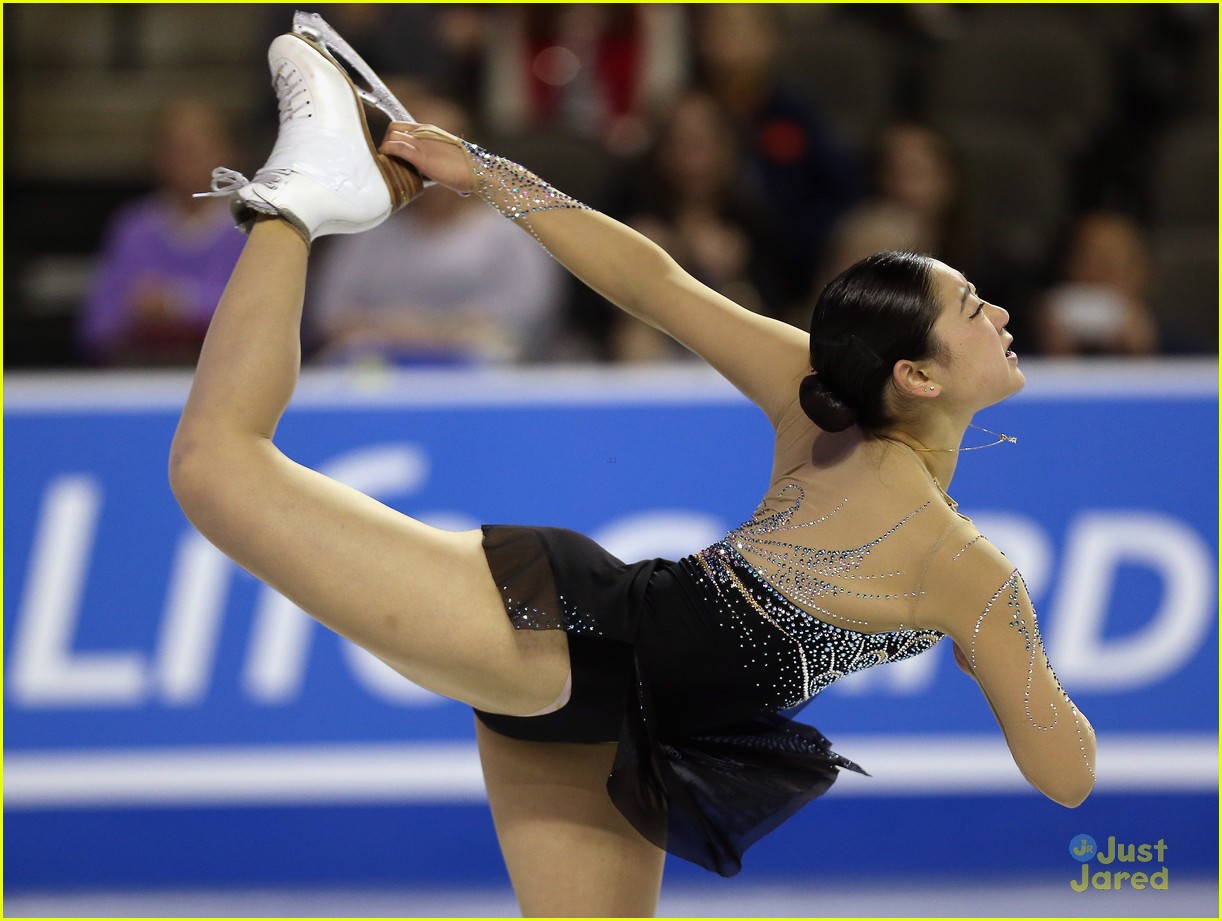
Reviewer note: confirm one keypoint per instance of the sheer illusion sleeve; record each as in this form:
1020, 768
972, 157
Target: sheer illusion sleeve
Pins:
977, 597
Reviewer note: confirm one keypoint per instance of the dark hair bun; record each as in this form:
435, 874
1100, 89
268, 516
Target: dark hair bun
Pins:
823, 407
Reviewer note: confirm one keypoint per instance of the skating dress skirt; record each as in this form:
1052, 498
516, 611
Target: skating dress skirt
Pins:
689, 667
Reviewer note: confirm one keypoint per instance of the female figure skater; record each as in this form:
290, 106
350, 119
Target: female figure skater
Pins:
855, 556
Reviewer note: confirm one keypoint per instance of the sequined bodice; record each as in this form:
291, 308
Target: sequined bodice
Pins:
822, 652
822, 579
836, 607
856, 564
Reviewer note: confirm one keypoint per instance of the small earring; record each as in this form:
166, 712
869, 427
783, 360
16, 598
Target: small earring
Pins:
931, 389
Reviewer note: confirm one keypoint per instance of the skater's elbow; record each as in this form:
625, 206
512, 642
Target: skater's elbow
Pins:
1066, 780
1065, 773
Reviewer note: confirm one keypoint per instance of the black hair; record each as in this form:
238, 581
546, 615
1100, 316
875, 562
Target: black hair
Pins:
873, 314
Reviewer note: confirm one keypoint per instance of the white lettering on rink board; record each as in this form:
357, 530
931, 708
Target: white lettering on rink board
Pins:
47, 671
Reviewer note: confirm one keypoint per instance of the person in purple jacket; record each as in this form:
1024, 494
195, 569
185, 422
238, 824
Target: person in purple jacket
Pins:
166, 257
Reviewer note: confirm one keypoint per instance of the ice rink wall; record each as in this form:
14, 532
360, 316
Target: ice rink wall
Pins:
171, 722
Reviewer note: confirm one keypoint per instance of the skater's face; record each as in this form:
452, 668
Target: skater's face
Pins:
977, 367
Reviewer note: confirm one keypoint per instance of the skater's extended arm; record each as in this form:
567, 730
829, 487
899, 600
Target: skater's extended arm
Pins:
972, 593
764, 358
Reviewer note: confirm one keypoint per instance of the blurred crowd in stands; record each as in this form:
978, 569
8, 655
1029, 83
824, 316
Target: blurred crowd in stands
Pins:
1063, 156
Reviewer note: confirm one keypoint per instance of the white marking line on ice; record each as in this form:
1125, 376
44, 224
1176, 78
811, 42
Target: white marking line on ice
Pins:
900, 766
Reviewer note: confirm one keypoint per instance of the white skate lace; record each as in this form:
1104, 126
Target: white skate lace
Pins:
226, 181
293, 102
292, 95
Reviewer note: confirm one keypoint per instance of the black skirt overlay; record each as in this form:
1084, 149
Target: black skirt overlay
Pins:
690, 667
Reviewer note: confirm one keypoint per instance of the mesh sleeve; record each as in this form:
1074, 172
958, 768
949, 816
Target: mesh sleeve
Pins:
984, 605
515, 191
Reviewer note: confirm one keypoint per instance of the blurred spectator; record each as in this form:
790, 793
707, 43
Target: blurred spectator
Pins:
1102, 305
597, 70
165, 259
688, 200
802, 173
447, 280
918, 203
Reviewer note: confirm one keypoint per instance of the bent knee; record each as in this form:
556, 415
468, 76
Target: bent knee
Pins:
188, 473
207, 468
187, 469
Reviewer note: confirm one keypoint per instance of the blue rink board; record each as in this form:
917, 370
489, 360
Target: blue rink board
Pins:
1108, 504
451, 845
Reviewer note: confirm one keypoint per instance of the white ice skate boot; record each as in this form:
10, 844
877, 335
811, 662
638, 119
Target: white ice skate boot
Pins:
324, 174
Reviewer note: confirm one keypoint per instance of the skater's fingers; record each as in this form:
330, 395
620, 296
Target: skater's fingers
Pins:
414, 129
399, 148
392, 144
445, 165
428, 133
399, 130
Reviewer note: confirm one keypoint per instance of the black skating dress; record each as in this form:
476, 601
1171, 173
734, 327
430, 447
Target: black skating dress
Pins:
692, 667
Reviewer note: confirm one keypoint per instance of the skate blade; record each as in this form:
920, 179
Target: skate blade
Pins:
315, 29
404, 180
